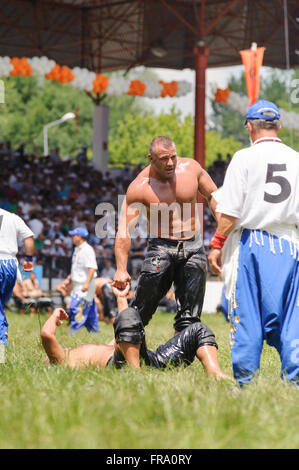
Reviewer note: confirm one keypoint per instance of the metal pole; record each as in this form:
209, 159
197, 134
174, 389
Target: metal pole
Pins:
201, 53
287, 51
46, 127
286, 33
46, 141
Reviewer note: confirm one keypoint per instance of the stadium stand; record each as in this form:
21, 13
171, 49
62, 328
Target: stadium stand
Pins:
54, 195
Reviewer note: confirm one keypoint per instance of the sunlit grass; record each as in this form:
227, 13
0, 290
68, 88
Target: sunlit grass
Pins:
56, 407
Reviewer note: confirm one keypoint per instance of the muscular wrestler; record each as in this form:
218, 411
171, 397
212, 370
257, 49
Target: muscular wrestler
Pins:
167, 186
105, 300
196, 340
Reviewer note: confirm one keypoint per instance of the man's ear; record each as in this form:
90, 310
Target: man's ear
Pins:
251, 131
149, 157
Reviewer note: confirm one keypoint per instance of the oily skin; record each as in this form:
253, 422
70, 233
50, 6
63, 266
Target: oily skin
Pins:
167, 180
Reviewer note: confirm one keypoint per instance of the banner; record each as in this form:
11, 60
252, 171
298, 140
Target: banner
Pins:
252, 60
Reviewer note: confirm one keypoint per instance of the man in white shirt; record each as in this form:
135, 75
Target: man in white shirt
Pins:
12, 229
259, 233
83, 310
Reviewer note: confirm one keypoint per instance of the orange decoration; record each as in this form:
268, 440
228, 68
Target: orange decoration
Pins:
62, 74
136, 88
100, 83
221, 96
54, 74
21, 66
252, 60
66, 75
169, 89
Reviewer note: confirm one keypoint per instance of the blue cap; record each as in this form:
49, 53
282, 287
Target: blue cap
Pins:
82, 231
263, 109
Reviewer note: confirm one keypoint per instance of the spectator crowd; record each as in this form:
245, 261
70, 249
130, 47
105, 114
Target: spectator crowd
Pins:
54, 195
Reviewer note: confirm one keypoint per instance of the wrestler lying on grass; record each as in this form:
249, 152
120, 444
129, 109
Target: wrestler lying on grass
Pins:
195, 340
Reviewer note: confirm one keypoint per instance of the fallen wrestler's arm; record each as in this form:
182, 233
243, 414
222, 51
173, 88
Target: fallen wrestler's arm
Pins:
54, 351
83, 356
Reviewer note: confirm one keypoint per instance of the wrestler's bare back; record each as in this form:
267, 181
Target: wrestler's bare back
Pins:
89, 355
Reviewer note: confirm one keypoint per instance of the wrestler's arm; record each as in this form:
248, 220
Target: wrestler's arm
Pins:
206, 187
53, 349
226, 224
128, 219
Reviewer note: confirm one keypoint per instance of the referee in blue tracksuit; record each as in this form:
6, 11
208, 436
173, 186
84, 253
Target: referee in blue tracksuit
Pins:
259, 228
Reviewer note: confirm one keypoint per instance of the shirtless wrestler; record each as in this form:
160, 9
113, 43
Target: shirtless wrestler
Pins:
169, 185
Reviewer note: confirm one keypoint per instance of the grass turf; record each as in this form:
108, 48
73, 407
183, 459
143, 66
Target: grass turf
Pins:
58, 408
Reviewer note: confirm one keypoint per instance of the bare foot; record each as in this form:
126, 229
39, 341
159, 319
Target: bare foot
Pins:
221, 376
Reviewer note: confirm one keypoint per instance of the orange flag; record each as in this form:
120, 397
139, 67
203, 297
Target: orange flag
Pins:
252, 60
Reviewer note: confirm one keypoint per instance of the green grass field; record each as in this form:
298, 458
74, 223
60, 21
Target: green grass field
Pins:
59, 408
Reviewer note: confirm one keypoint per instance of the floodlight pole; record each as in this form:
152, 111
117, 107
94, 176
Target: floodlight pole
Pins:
64, 118
46, 127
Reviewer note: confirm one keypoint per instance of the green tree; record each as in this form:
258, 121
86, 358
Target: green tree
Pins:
31, 102
134, 134
275, 87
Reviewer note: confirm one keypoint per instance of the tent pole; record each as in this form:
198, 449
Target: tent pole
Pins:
201, 58
201, 53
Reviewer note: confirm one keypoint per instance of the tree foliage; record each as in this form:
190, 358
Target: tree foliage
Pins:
30, 103
276, 86
134, 134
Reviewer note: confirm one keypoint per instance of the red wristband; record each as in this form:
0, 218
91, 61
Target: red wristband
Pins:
217, 241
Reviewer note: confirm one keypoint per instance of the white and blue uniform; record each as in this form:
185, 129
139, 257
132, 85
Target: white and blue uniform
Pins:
83, 310
260, 257
12, 229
